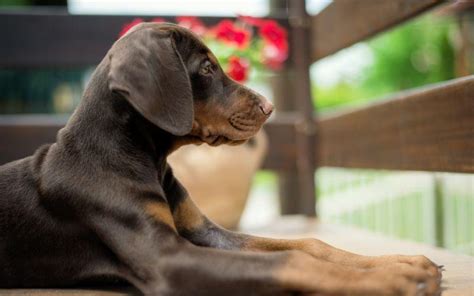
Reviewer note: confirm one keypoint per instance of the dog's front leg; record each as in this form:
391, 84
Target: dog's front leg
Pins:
139, 236
198, 229
152, 256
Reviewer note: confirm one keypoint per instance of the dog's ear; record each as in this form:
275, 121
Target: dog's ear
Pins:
147, 70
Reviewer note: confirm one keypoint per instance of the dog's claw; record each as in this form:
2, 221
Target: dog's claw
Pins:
420, 288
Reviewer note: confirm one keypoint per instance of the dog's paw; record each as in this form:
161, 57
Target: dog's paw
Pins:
418, 261
426, 274
417, 275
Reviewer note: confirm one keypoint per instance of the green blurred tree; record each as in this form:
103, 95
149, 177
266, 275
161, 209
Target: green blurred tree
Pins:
414, 54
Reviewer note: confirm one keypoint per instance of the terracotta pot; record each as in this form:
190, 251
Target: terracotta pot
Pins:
219, 178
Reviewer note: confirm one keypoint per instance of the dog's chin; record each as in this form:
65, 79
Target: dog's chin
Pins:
233, 140
221, 140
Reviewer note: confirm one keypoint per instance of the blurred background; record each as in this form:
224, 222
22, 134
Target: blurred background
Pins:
435, 208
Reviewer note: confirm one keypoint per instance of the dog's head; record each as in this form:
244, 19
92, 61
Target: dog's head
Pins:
173, 79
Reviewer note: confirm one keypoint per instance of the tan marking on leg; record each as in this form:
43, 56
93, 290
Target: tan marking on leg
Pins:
187, 215
294, 274
270, 244
161, 213
303, 273
313, 247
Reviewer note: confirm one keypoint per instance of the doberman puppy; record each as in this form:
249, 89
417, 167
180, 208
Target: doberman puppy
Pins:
102, 201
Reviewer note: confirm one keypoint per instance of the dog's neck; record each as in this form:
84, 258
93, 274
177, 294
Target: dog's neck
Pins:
123, 132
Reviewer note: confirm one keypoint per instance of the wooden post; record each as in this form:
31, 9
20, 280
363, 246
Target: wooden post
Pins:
288, 185
291, 88
300, 47
465, 52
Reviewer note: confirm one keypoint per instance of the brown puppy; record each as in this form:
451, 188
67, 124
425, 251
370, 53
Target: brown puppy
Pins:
102, 201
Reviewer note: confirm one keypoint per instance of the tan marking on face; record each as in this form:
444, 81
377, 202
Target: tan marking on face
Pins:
187, 215
161, 213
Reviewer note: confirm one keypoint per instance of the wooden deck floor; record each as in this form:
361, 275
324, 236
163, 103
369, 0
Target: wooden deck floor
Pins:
458, 279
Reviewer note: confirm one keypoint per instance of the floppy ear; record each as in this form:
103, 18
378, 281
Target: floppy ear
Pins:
148, 71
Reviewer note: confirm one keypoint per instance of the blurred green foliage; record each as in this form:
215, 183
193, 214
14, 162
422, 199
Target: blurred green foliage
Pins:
414, 54
33, 90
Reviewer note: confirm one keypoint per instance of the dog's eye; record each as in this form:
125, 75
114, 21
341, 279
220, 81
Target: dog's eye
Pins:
206, 68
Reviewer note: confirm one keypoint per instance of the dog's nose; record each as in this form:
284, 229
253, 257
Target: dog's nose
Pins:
266, 107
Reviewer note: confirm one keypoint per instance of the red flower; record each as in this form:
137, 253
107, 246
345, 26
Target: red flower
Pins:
192, 23
128, 26
275, 48
254, 21
238, 68
273, 33
227, 32
273, 56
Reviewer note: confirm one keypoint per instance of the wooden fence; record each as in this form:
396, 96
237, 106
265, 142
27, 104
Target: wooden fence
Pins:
429, 129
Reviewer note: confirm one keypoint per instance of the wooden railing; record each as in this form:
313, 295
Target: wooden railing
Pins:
429, 129
345, 22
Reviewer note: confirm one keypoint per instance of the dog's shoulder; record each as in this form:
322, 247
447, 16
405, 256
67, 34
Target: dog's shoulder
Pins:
22, 170
18, 187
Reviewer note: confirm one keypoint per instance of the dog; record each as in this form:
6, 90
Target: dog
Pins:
103, 202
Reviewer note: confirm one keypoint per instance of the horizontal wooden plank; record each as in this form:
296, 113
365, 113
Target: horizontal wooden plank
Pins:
345, 22
21, 135
429, 129
53, 38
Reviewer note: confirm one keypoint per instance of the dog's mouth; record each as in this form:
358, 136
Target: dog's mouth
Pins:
239, 128
244, 126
